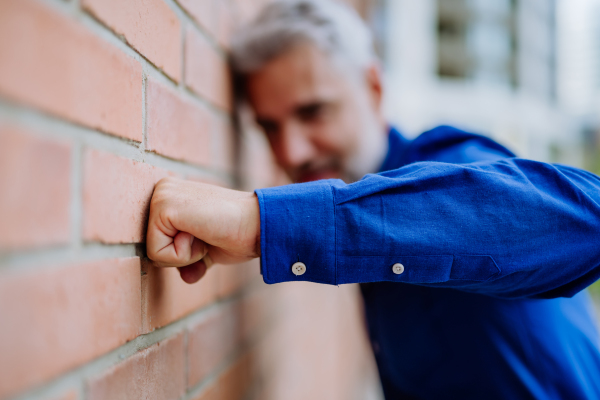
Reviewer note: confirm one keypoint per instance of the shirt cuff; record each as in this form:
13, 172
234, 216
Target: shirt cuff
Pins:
297, 224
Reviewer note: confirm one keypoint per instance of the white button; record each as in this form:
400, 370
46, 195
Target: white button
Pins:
299, 268
398, 268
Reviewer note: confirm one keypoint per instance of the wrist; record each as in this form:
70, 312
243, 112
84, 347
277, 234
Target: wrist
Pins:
257, 240
252, 224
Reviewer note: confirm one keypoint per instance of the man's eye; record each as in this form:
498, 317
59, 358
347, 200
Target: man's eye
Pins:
268, 128
312, 112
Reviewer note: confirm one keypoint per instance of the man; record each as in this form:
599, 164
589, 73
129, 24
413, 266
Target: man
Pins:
471, 261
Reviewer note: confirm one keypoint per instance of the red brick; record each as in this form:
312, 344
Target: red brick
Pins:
224, 148
150, 26
227, 22
35, 177
216, 338
212, 392
157, 372
330, 357
203, 11
56, 65
54, 319
255, 310
116, 197
211, 341
258, 167
166, 297
206, 71
177, 128
217, 17
232, 278
234, 383
70, 395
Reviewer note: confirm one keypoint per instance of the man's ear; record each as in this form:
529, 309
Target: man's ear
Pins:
374, 80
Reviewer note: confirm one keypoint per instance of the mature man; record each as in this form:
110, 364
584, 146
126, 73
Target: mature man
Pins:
471, 261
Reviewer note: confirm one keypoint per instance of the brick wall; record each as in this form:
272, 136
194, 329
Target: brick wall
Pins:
99, 99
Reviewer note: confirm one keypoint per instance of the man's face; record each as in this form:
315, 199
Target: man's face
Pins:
321, 121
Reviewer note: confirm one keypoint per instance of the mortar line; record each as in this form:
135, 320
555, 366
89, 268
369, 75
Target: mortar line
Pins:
144, 144
53, 127
246, 347
204, 31
53, 258
94, 368
183, 40
186, 360
104, 33
76, 206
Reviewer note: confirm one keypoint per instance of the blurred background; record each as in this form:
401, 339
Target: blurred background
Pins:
525, 72
101, 98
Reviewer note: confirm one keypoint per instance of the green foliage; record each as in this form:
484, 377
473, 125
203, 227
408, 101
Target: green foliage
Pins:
595, 291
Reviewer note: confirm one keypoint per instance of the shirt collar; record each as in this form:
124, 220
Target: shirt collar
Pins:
397, 146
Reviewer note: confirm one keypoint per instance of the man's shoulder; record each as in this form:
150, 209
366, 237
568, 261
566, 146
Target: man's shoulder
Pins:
450, 144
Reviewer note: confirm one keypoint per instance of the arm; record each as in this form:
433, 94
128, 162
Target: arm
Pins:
508, 228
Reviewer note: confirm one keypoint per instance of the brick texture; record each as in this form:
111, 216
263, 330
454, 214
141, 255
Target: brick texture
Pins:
152, 75
212, 341
203, 12
70, 395
54, 319
58, 66
216, 338
227, 22
157, 372
224, 147
167, 298
178, 128
232, 278
116, 197
257, 163
217, 17
233, 383
35, 175
330, 356
206, 70
150, 26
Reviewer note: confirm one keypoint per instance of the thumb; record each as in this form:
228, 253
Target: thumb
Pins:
184, 250
188, 247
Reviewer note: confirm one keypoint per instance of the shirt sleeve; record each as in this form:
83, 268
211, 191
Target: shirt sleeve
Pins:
508, 228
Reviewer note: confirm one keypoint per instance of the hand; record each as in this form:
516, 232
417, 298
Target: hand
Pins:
189, 220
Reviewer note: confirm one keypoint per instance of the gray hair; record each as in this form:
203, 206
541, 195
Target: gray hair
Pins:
335, 28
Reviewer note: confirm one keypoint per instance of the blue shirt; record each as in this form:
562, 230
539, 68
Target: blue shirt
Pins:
496, 251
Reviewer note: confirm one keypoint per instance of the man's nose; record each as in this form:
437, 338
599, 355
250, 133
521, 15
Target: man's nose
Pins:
296, 147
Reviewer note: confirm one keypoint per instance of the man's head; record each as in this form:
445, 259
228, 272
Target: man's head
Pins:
308, 71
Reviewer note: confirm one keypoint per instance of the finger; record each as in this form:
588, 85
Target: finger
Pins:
184, 250
194, 272
208, 261
159, 240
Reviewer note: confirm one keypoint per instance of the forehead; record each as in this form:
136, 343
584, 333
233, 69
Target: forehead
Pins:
301, 75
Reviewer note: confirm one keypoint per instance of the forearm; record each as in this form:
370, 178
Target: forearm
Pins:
510, 228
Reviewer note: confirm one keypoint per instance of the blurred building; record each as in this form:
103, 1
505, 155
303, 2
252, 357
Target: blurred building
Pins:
579, 71
488, 67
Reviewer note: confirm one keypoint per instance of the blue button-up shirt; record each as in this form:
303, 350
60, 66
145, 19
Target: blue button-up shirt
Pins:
496, 251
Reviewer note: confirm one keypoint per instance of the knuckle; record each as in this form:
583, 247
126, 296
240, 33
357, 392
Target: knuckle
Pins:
165, 181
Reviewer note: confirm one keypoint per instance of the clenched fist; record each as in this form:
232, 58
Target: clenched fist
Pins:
189, 220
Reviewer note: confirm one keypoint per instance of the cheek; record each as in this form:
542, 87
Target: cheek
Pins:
277, 149
339, 135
